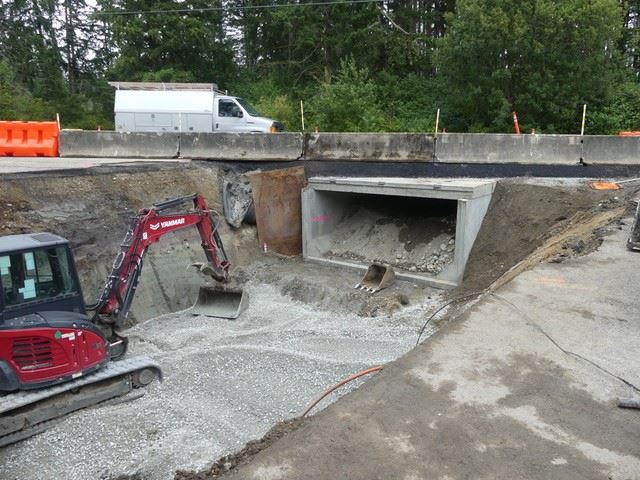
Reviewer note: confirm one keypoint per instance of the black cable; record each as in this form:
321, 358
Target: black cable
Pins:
531, 323
454, 300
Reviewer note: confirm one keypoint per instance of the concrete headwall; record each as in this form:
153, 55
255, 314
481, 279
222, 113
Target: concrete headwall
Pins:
387, 147
80, 143
241, 146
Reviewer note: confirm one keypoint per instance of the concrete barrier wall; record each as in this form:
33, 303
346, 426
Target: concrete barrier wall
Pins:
241, 146
505, 148
388, 147
79, 143
454, 148
613, 150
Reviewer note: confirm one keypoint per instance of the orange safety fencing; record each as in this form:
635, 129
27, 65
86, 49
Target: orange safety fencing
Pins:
29, 139
629, 134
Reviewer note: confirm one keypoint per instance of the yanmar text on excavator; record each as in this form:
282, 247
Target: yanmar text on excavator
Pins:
55, 358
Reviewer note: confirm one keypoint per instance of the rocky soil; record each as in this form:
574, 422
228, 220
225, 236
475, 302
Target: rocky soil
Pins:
415, 235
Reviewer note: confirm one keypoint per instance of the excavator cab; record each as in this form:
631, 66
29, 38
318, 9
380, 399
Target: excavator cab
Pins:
45, 335
37, 273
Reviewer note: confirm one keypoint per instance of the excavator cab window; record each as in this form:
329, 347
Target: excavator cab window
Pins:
35, 275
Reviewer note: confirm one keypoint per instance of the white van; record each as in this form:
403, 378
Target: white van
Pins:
184, 107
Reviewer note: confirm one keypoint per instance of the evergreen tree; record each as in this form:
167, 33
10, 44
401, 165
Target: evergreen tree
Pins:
172, 41
541, 58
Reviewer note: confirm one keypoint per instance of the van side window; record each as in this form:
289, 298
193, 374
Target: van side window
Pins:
228, 108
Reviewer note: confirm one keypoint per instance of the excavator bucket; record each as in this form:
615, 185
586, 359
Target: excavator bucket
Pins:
378, 276
220, 301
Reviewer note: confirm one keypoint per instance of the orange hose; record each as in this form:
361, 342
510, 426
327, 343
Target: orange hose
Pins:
338, 385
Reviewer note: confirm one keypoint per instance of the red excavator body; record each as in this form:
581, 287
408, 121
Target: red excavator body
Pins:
44, 356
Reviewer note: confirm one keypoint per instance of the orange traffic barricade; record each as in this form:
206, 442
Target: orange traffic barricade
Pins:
29, 139
629, 134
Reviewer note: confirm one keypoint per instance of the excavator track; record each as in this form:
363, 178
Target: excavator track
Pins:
26, 413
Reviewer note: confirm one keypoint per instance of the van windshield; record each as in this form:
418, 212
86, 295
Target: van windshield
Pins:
248, 107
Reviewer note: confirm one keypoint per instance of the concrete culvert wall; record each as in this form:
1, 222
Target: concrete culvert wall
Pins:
424, 228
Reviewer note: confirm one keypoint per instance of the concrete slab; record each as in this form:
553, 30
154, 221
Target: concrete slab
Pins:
611, 150
508, 148
449, 188
323, 211
523, 385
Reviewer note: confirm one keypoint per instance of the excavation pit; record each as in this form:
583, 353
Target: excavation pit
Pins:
424, 228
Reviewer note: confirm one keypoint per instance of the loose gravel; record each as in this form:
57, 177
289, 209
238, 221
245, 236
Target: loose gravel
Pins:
226, 382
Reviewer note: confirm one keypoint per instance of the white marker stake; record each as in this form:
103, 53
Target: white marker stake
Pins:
302, 114
584, 118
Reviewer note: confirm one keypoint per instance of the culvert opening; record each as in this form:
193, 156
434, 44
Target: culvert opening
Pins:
409, 233
423, 228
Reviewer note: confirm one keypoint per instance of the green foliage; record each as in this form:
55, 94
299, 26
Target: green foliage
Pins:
282, 108
384, 66
623, 113
541, 58
348, 103
16, 103
174, 46
409, 102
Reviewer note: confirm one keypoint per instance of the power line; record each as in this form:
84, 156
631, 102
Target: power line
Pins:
241, 7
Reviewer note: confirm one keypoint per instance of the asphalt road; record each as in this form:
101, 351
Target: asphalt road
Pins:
43, 164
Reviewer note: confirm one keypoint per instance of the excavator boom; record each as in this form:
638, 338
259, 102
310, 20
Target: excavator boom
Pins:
147, 228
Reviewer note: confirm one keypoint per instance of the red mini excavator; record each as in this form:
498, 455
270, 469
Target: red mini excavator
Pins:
54, 357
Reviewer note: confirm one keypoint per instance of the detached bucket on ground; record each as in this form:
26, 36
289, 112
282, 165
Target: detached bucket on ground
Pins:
378, 276
219, 301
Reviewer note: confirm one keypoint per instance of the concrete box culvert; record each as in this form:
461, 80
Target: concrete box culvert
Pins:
424, 228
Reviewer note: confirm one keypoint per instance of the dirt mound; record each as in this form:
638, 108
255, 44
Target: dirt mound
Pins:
523, 216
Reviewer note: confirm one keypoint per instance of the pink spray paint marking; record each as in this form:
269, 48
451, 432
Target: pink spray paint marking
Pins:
321, 218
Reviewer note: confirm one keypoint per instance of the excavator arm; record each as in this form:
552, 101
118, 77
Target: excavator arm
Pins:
147, 228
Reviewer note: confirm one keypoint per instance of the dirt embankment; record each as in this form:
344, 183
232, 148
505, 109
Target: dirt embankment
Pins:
523, 216
94, 210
